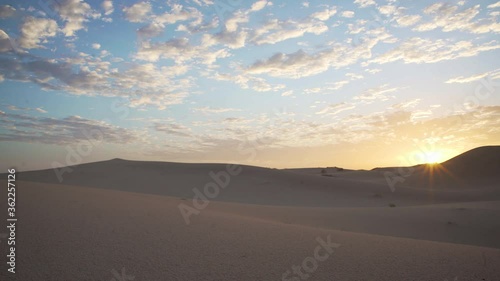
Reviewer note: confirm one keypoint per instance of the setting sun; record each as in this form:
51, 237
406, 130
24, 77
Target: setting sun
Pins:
433, 157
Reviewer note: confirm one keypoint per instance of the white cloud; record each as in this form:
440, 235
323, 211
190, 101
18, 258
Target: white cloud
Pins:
179, 13
387, 10
96, 46
365, 3
325, 14
6, 11
449, 18
5, 42
301, 64
418, 50
35, 31
259, 5
494, 5
74, 13
335, 109
376, 94
495, 74
248, 82
407, 104
214, 110
138, 12
232, 23
72, 129
408, 20
107, 6
347, 14
151, 30
275, 30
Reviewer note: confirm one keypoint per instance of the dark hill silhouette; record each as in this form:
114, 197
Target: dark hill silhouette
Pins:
472, 168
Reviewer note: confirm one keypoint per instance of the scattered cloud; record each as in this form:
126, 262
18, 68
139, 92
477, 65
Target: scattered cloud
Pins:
107, 6
74, 13
495, 74
335, 109
419, 50
347, 14
214, 110
69, 130
138, 12
380, 93
6, 11
35, 31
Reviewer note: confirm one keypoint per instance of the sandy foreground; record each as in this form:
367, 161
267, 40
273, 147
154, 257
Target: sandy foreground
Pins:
120, 220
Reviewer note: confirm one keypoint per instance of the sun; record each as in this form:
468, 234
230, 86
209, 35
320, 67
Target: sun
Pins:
433, 157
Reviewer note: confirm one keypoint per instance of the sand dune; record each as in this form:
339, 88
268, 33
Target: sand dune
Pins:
77, 233
116, 215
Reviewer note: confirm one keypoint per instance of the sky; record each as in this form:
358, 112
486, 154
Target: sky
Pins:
279, 84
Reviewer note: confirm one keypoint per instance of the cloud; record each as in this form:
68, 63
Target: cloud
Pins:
5, 42
259, 5
34, 32
407, 20
96, 46
495, 74
6, 11
347, 14
151, 30
407, 104
365, 3
301, 64
16, 108
248, 82
138, 12
419, 50
387, 9
275, 30
74, 13
173, 129
494, 5
448, 18
335, 109
141, 84
107, 6
324, 15
69, 130
379, 93
214, 110
180, 51
179, 13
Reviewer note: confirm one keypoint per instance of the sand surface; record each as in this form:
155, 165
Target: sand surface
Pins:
120, 219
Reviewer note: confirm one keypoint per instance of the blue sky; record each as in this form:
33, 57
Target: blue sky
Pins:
271, 83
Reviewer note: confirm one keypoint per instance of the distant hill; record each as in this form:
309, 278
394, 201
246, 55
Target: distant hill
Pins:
473, 168
478, 162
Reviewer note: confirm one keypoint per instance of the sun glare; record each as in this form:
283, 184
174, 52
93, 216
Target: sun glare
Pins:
433, 157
